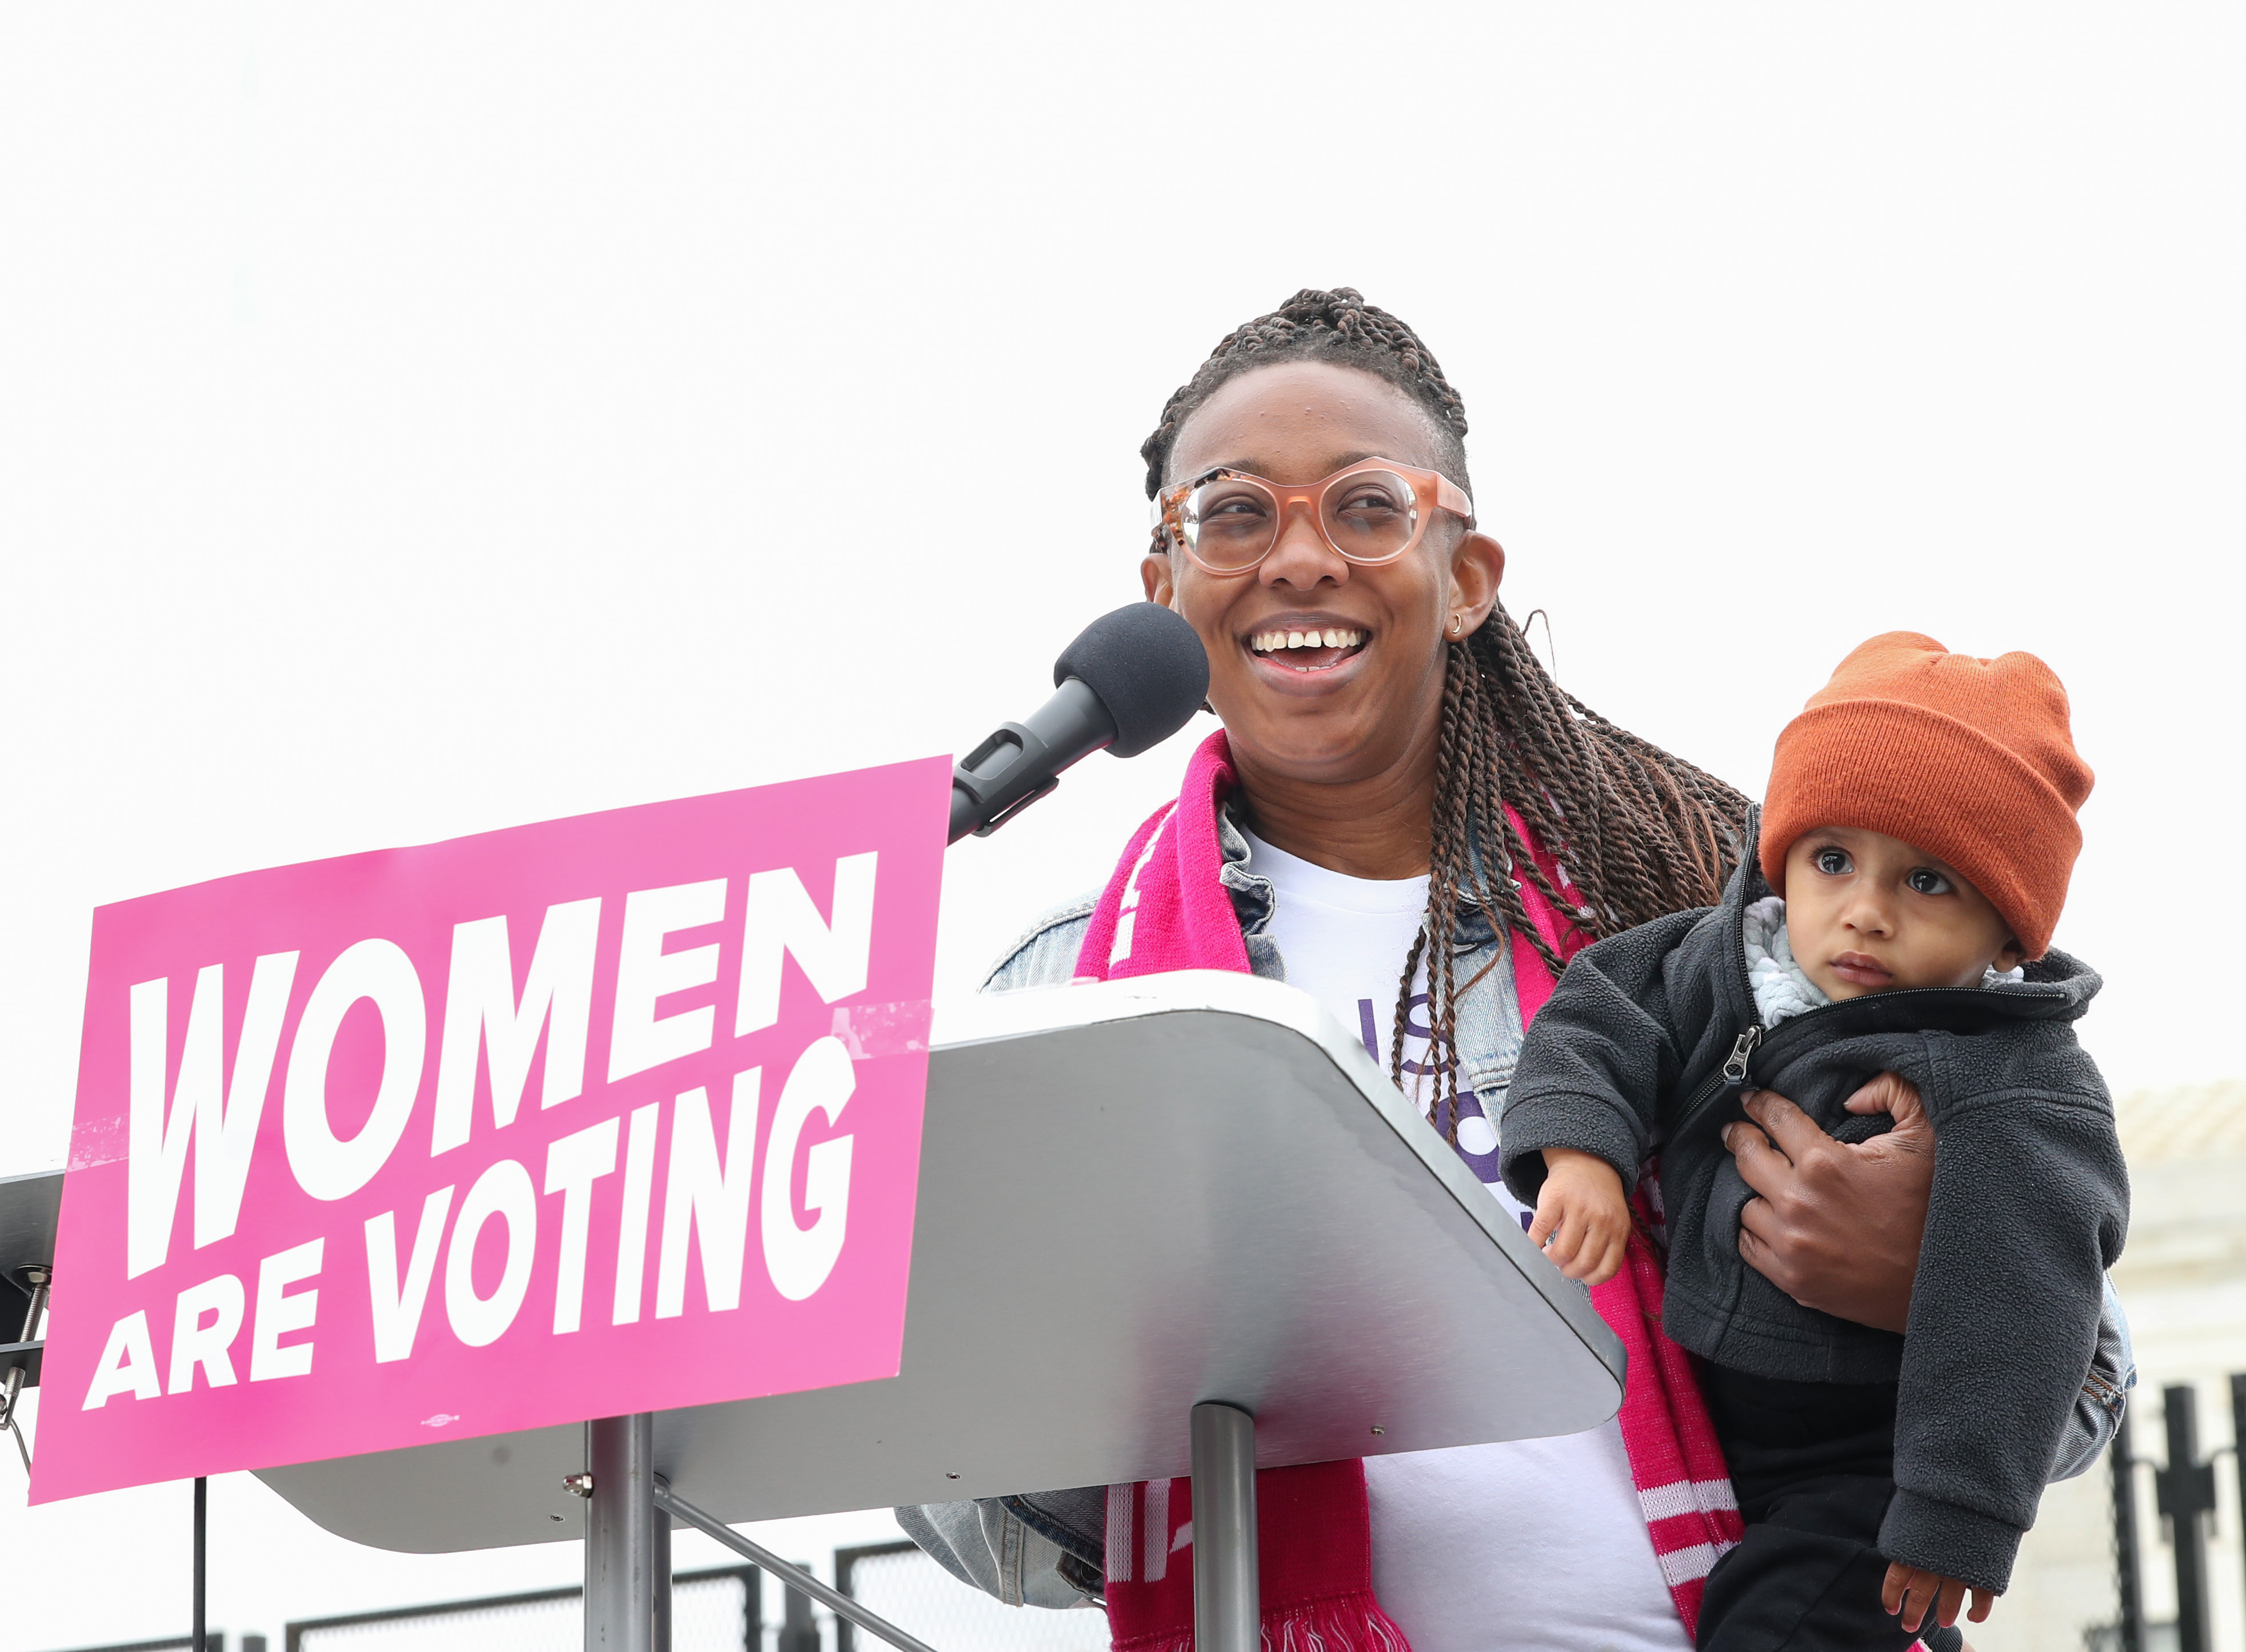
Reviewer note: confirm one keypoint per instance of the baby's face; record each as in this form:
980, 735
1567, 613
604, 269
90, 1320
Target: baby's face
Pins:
1867, 912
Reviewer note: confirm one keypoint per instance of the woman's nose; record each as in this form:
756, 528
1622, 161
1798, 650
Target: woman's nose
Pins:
1301, 556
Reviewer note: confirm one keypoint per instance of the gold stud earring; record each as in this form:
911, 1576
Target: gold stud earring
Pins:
1458, 626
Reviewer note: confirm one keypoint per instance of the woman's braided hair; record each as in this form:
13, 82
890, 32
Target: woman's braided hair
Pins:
1641, 832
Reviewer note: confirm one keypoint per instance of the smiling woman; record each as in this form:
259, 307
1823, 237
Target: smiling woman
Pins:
1397, 754
1406, 817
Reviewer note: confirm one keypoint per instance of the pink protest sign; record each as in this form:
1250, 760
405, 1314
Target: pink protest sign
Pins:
603, 1115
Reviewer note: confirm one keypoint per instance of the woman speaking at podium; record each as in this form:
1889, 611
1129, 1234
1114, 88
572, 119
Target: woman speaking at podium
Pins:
1390, 748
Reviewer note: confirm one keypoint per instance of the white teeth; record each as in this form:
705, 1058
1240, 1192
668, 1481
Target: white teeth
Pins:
1335, 637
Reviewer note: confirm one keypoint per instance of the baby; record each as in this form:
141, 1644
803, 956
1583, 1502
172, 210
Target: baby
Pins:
1913, 855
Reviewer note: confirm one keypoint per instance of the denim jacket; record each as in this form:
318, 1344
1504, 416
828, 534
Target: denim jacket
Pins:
1046, 1548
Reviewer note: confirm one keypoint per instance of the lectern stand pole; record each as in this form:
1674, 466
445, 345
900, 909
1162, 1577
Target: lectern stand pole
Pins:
621, 1548
660, 1525
1228, 1601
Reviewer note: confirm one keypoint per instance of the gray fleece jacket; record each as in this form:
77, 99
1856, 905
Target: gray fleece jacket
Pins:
1645, 1048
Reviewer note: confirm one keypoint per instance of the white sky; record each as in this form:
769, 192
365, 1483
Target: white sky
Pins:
417, 419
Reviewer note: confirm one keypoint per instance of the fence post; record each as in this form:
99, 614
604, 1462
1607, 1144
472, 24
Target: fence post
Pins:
2127, 1547
2238, 1441
2186, 1489
799, 1630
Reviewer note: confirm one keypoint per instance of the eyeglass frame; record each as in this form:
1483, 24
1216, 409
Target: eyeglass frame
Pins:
1448, 496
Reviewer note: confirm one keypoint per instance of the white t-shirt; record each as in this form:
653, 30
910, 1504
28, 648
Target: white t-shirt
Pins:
1532, 1545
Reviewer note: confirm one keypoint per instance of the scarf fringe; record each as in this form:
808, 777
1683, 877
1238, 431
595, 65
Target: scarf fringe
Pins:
1350, 1622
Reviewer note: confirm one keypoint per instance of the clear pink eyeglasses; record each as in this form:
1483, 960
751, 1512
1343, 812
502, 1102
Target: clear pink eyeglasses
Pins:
1371, 512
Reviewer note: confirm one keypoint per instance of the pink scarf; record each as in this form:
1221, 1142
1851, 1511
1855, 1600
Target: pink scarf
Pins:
1166, 909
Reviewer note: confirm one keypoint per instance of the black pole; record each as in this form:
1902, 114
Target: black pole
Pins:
202, 1639
799, 1630
2126, 1546
2186, 1496
2238, 1439
661, 1559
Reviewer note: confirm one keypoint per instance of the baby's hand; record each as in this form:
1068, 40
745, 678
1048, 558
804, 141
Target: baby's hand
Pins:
1922, 1598
1582, 1218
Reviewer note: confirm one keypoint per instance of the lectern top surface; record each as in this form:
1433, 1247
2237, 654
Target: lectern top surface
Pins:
1134, 1196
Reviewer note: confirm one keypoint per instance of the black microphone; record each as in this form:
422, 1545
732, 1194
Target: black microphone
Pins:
1132, 680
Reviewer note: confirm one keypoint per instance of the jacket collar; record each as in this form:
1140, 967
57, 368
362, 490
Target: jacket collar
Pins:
1254, 900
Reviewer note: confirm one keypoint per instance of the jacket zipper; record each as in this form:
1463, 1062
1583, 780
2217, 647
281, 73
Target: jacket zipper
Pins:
1757, 1039
1734, 1072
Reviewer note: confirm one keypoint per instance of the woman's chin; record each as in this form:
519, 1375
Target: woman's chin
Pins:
1315, 742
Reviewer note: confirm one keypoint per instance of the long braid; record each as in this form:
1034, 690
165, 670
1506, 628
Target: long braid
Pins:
1640, 833
1454, 876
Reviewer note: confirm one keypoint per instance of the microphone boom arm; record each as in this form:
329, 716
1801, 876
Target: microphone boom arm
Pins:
1018, 763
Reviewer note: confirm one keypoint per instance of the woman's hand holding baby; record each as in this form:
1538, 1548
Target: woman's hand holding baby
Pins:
1837, 1227
1583, 1215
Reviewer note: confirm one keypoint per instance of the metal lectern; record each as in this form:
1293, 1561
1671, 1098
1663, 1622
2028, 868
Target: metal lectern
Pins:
1170, 1225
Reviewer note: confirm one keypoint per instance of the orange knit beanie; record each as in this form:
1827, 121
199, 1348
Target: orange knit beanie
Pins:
1970, 760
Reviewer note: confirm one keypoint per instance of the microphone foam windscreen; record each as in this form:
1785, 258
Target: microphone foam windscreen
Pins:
1148, 667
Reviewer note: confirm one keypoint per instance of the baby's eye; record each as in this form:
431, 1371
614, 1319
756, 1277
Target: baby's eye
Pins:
1927, 881
1834, 863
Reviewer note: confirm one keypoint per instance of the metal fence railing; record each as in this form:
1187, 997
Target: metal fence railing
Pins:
919, 1596
721, 1610
2160, 1513
214, 1642
716, 1610
2158, 1637
2184, 1503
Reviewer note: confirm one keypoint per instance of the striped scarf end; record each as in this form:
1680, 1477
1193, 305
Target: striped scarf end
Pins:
1344, 1623
1350, 1622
